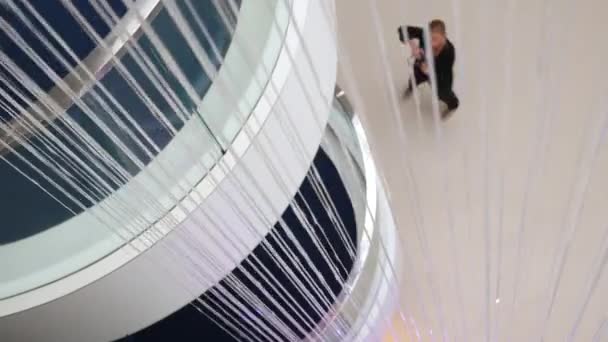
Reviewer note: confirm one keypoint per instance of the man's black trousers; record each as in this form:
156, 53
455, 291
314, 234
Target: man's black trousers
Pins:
445, 94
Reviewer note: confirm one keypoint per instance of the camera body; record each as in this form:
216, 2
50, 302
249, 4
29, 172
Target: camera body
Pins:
416, 45
401, 33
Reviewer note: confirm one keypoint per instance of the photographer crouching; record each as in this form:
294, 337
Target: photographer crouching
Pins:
444, 55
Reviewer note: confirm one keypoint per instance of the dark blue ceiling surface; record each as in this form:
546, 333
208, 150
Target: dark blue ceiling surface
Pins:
25, 209
65, 25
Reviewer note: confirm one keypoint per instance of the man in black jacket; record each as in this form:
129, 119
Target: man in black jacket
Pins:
444, 55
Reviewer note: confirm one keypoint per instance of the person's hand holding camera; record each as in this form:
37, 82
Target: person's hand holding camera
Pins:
417, 52
424, 68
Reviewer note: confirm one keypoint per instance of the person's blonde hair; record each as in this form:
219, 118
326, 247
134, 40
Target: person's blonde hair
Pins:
437, 25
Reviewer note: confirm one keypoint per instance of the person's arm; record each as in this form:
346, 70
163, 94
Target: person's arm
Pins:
445, 68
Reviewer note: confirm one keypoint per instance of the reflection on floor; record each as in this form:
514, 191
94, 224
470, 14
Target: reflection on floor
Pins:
398, 331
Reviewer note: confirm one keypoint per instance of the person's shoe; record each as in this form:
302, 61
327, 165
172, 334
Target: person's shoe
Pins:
408, 93
447, 113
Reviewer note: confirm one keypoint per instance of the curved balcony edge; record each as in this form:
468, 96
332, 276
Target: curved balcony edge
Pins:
122, 291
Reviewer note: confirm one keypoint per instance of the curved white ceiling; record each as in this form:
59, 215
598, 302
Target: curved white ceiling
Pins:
513, 184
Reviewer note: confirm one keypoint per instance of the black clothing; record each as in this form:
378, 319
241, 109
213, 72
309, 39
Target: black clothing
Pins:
444, 64
445, 95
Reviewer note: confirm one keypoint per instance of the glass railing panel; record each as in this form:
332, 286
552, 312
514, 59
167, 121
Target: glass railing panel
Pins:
247, 67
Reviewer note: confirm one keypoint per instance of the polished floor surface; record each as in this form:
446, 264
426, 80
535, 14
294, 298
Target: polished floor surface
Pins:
502, 208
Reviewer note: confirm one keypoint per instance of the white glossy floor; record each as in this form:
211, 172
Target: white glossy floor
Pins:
513, 184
